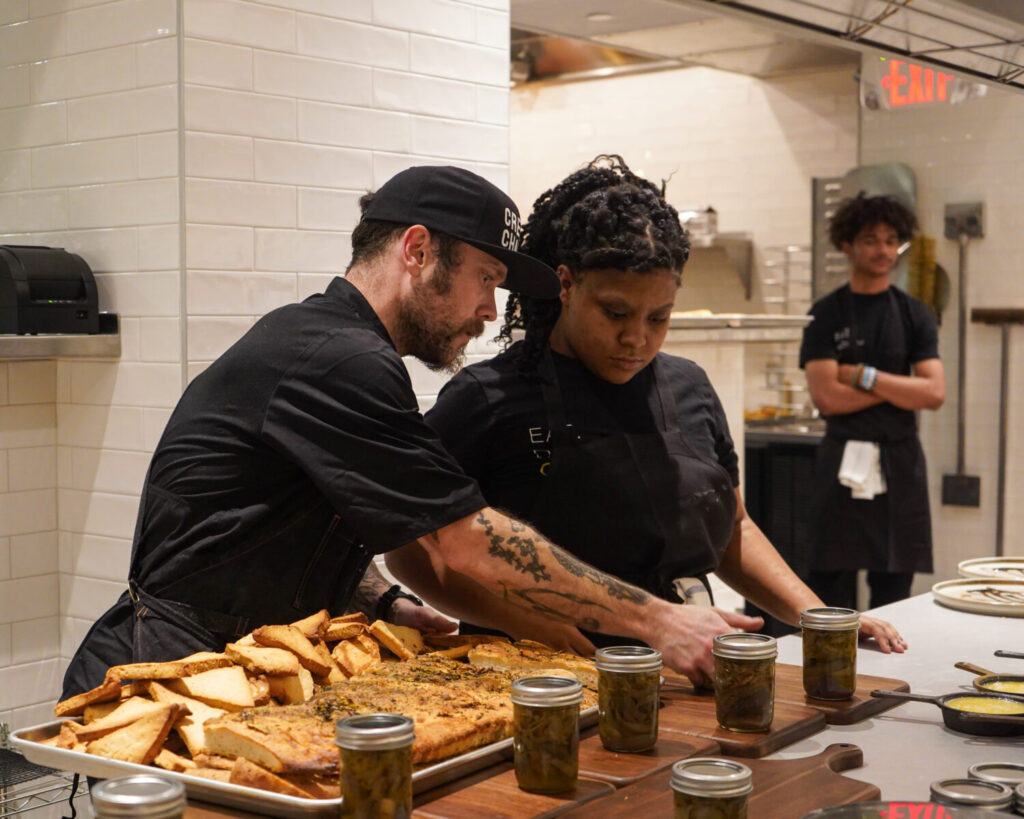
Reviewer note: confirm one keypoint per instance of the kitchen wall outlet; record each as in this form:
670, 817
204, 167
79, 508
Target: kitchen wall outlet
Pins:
965, 217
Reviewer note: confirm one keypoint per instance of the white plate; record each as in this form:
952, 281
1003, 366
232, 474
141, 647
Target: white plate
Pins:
1007, 568
982, 596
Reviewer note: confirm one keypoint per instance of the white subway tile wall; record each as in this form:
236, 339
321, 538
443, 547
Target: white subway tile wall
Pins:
203, 192
969, 153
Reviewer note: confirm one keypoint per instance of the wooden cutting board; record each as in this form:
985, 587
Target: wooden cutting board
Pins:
493, 792
686, 712
789, 687
783, 788
596, 762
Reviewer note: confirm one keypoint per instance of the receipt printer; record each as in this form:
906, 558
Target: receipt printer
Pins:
46, 290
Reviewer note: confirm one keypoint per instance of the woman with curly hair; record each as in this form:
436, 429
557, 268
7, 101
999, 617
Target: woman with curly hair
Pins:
617, 452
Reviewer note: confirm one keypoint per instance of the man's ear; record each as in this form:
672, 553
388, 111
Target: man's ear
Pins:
416, 247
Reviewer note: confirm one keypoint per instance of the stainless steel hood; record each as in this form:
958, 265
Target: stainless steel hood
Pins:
980, 39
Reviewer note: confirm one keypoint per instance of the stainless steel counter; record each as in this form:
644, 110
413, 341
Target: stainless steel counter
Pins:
809, 432
908, 747
104, 344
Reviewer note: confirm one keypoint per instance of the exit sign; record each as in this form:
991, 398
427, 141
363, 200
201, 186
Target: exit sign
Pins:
889, 83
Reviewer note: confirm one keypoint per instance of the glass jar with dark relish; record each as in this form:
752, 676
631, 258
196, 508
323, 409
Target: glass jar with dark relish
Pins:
628, 683
546, 733
376, 766
710, 788
744, 680
830, 652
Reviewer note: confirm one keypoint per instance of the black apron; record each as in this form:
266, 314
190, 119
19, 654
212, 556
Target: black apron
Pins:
275, 578
644, 507
891, 532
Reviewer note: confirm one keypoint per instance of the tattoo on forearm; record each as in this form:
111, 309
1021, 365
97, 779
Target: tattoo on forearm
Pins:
532, 599
368, 592
617, 589
519, 552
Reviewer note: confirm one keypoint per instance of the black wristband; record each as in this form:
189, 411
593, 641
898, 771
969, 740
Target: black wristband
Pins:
387, 600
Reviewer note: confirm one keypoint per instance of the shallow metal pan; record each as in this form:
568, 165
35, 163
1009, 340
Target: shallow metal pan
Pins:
988, 680
968, 722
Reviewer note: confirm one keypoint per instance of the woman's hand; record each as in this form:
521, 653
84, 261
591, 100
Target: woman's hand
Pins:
422, 618
883, 633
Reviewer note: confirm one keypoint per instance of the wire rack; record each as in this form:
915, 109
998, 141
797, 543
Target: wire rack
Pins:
25, 786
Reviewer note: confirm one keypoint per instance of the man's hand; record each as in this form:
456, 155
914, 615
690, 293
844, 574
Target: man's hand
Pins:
422, 618
685, 635
883, 633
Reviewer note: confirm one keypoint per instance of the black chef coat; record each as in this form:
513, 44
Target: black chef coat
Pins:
891, 331
642, 497
288, 463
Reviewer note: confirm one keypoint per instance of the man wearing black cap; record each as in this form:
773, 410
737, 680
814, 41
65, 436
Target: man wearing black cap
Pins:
300, 453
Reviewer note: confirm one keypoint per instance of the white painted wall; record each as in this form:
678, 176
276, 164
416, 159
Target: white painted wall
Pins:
205, 157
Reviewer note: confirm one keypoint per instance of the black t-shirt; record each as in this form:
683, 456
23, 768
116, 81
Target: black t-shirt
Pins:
493, 420
313, 402
891, 331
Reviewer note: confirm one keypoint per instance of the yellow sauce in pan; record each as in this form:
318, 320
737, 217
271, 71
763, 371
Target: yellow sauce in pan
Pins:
986, 705
1005, 686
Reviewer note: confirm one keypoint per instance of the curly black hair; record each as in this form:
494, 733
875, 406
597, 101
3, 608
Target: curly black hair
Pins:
600, 217
863, 211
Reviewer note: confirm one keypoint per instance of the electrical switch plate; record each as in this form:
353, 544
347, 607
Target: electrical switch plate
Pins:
966, 218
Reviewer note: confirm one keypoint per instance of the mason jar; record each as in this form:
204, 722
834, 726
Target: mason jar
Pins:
145, 796
744, 680
710, 788
830, 652
546, 733
376, 765
974, 793
1010, 774
628, 684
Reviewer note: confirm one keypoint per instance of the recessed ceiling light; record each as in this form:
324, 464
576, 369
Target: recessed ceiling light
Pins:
599, 17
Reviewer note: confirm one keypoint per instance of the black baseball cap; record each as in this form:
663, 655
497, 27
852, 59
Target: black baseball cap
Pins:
466, 206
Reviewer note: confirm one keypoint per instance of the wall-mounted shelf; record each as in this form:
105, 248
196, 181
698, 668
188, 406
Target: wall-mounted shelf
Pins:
737, 248
104, 344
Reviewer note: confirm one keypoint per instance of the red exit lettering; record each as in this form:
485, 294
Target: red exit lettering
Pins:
910, 84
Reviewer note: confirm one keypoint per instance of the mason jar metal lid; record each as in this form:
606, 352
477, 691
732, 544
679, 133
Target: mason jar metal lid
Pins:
627, 658
974, 792
143, 795
547, 692
1006, 773
830, 618
374, 732
743, 646
708, 776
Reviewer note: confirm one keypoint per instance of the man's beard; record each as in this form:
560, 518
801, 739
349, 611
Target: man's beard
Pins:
425, 333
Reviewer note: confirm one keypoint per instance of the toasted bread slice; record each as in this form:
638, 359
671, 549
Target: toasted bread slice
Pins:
128, 711
189, 727
291, 689
453, 653
402, 641
247, 773
91, 713
107, 691
170, 761
352, 617
296, 642
68, 737
353, 659
453, 640
260, 688
280, 740
314, 626
172, 670
226, 688
527, 656
263, 659
343, 631
215, 774
225, 763
140, 741
335, 674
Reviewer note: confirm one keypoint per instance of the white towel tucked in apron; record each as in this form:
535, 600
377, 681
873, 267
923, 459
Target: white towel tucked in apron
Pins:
861, 470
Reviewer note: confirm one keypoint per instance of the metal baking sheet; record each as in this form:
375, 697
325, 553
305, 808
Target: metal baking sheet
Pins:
27, 742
